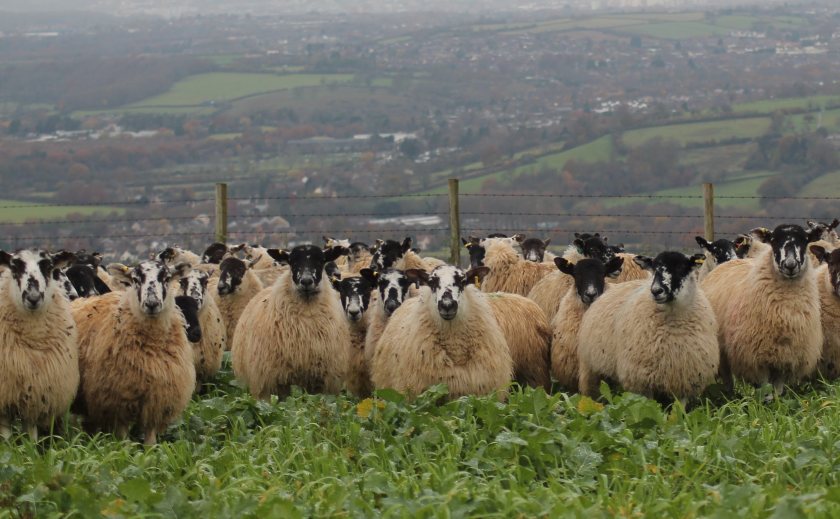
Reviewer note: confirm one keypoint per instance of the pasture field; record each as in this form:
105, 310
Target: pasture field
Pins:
824, 185
768, 106
534, 456
677, 30
700, 132
15, 211
745, 185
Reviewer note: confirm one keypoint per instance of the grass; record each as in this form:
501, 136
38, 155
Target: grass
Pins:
15, 211
745, 185
826, 185
830, 120
700, 132
768, 106
677, 30
534, 456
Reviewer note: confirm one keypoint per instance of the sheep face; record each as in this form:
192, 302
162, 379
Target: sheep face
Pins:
63, 281
833, 260
214, 253
829, 231
231, 272
475, 250
721, 250
593, 246
589, 275
150, 281
387, 253
789, 243
742, 243
194, 285
533, 249
673, 274
307, 263
189, 308
33, 275
393, 287
82, 278
358, 250
355, 293
447, 284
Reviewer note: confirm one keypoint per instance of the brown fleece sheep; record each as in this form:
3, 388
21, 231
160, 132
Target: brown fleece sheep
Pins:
828, 282
448, 335
658, 338
528, 336
293, 333
770, 327
136, 367
38, 348
509, 272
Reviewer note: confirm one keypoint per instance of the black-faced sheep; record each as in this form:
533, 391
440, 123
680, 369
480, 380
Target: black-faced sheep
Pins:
355, 293
135, 361
447, 335
208, 351
657, 338
828, 283
38, 349
398, 255
588, 277
769, 310
294, 333
717, 252
508, 271
392, 287
236, 285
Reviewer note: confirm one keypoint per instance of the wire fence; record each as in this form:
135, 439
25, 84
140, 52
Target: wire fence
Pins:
156, 221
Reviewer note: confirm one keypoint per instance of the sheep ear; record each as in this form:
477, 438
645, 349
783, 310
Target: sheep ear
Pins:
62, 259
477, 275
332, 271
697, 260
334, 253
119, 272
565, 266
833, 225
370, 275
419, 276
406, 245
546, 241
5, 259
280, 256
701, 241
819, 253
764, 234
644, 262
181, 269
578, 243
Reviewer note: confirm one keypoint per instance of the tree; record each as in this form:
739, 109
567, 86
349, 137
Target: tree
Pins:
411, 148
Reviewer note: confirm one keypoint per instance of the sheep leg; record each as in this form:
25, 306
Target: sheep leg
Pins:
589, 382
725, 374
5, 428
150, 438
32, 430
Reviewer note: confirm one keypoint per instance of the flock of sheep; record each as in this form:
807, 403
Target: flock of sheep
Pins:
125, 348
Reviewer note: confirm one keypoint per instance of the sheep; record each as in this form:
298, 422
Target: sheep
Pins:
65, 285
135, 362
446, 335
393, 254
176, 255
264, 267
103, 283
207, 352
828, 283
214, 254
716, 252
588, 276
236, 286
534, 249
83, 278
355, 293
528, 335
657, 338
38, 342
294, 332
829, 240
769, 312
392, 288
630, 271
509, 272
342, 261
549, 291
359, 257
189, 309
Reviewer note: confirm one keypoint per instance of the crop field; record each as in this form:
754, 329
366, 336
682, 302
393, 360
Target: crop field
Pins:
700, 132
14, 211
534, 456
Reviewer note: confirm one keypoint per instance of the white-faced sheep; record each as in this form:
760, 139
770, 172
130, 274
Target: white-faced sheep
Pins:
38, 350
392, 288
549, 291
294, 333
828, 283
657, 338
208, 351
588, 277
769, 311
528, 335
135, 362
508, 271
236, 285
355, 293
447, 335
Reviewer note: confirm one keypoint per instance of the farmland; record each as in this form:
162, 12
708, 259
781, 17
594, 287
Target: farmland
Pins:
700, 132
536, 455
13, 211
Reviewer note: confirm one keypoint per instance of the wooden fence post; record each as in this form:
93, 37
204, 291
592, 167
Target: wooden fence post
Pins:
221, 212
709, 210
454, 224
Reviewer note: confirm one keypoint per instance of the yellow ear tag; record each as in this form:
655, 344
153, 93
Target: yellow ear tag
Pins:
477, 282
700, 261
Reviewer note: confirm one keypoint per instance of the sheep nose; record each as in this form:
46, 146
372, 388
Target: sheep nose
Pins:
657, 291
33, 298
307, 281
354, 313
391, 306
151, 306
